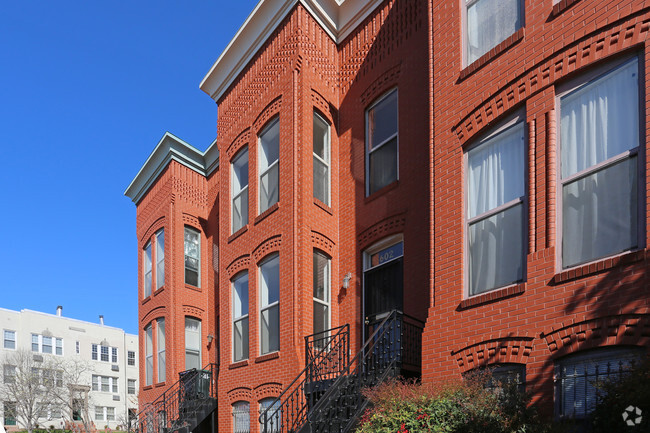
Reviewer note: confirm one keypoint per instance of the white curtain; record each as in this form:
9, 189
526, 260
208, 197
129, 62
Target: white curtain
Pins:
488, 23
496, 244
599, 211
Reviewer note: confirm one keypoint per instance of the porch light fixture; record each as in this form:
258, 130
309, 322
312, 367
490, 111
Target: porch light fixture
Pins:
210, 338
346, 280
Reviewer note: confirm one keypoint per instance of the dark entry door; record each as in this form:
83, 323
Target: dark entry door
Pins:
383, 292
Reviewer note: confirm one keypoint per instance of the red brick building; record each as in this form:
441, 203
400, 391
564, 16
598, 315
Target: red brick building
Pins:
449, 160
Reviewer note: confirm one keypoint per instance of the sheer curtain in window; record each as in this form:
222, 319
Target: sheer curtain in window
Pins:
600, 122
489, 22
496, 187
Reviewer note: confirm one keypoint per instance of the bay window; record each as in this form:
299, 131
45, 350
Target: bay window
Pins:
192, 247
488, 23
321, 147
382, 143
269, 305
321, 293
148, 355
240, 317
269, 154
239, 180
600, 164
192, 343
160, 342
160, 259
495, 209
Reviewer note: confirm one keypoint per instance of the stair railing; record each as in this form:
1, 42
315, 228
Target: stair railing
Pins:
179, 405
326, 356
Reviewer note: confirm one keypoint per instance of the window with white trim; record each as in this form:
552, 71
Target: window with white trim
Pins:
600, 166
579, 377
103, 413
322, 152
9, 411
240, 317
269, 155
270, 305
47, 344
130, 357
105, 383
160, 258
147, 270
9, 339
488, 23
239, 180
160, 345
192, 257
130, 386
271, 407
321, 293
77, 347
496, 190
241, 417
148, 355
9, 374
154, 252
192, 343
382, 143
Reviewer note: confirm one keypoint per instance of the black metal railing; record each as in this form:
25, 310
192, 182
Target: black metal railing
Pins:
183, 405
393, 347
327, 356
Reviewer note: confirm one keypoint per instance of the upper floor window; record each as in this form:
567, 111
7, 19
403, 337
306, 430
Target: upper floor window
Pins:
160, 343
600, 165
104, 353
105, 383
321, 295
154, 253
270, 305
148, 355
321, 143
489, 22
192, 257
9, 374
240, 317
131, 357
578, 377
381, 143
495, 209
47, 344
239, 180
9, 339
192, 343
269, 154
130, 387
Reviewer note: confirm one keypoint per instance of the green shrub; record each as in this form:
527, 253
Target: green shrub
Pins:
614, 397
463, 406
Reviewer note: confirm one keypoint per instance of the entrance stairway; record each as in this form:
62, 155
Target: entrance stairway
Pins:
185, 405
327, 397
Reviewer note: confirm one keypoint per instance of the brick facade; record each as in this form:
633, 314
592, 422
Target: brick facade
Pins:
444, 107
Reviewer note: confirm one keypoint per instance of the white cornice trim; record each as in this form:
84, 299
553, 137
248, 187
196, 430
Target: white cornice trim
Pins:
337, 17
171, 148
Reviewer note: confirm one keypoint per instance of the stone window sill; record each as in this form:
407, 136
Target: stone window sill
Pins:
494, 52
492, 296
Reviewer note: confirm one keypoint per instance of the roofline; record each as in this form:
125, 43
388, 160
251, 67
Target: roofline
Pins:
171, 148
337, 17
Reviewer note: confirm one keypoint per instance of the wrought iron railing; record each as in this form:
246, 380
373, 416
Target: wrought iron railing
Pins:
327, 356
184, 404
393, 347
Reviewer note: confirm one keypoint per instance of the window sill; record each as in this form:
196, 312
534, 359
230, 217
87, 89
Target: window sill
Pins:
147, 387
598, 266
158, 290
267, 357
191, 287
238, 233
147, 299
382, 191
323, 206
493, 296
493, 53
561, 6
266, 213
238, 364
159, 384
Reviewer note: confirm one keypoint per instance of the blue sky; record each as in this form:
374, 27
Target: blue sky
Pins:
87, 88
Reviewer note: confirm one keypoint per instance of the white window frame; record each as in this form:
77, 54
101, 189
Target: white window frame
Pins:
465, 5
160, 258
114, 357
242, 317
566, 89
238, 409
268, 307
395, 136
9, 336
273, 406
271, 164
105, 384
58, 344
8, 373
147, 267
241, 191
327, 150
193, 350
130, 360
518, 120
77, 347
148, 350
160, 352
39, 341
197, 233
131, 386
327, 302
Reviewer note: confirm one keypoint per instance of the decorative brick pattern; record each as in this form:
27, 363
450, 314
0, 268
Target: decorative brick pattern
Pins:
270, 245
391, 225
242, 140
189, 310
515, 349
241, 393
268, 389
322, 242
238, 265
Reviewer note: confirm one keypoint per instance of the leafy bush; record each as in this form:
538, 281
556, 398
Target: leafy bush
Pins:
465, 406
614, 397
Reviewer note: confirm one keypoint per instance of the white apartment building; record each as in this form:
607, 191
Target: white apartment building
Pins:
110, 355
